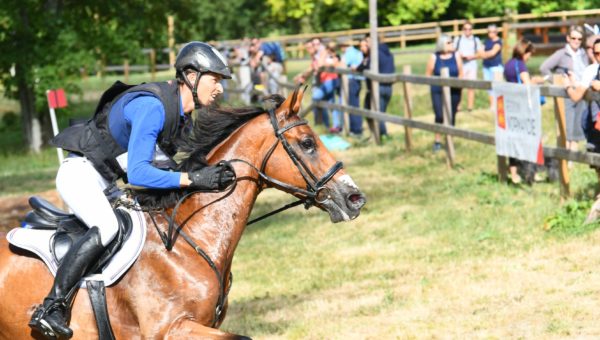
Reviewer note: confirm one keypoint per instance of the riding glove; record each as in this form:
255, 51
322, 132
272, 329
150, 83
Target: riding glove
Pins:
212, 177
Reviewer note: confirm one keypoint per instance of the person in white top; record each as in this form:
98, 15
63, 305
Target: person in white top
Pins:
469, 47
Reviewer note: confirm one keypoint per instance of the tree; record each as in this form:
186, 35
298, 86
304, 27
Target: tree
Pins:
45, 43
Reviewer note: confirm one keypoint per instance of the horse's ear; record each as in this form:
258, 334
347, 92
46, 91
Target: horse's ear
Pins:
298, 102
290, 102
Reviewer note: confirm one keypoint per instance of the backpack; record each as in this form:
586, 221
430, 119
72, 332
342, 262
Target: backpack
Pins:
276, 50
474, 44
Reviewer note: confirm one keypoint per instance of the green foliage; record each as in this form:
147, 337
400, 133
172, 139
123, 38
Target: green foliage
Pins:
569, 219
408, 11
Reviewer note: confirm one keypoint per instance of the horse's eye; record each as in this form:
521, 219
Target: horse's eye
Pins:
307, 144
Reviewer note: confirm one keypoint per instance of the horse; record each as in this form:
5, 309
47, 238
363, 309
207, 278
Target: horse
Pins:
172, 292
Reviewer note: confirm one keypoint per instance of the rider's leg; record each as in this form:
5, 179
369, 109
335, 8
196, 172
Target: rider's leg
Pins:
81, 187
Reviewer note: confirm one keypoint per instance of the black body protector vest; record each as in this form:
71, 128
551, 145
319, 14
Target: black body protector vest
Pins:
94, 139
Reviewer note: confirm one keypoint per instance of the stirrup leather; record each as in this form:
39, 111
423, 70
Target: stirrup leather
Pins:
40, 324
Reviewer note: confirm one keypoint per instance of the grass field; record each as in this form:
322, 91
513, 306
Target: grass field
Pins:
436, 253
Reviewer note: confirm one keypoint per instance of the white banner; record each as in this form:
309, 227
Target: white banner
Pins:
518, 121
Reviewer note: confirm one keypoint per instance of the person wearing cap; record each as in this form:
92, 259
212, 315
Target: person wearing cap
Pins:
131, 137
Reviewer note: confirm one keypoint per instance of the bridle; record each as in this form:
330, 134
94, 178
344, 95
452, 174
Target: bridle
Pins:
309, 197
314, 185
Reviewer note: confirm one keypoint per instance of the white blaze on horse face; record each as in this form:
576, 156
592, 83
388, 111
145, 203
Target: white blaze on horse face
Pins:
346, 179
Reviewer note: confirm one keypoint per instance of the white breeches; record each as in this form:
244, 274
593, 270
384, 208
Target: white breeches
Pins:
82, 189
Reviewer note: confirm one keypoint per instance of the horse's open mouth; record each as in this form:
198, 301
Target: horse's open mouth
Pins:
343, 206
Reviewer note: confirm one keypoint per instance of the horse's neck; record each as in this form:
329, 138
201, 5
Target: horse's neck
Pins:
219, 227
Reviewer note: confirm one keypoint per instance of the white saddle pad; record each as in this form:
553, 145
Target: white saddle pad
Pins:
38, 242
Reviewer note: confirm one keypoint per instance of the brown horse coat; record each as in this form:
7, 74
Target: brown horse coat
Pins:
172, 295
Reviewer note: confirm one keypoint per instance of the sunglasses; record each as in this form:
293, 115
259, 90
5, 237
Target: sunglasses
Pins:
597, 53
576, 38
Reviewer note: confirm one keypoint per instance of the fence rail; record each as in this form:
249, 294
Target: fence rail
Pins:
559, 152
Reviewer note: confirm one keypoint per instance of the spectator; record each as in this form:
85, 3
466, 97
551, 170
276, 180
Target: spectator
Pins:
352, 58
590, 79
590, 123
492, 58
245, 70
334, 60
444, 56
303, 76
266, 56
591, 33
468, 47
319, 48
327, 82
515, 71
570, 59
386, 65
274, 72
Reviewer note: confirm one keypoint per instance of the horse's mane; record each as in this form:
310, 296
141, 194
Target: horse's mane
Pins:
212, 126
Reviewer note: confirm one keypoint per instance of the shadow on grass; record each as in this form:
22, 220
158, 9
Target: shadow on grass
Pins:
251, 316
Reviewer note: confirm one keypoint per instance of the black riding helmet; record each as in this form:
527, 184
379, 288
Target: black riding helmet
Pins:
201, 58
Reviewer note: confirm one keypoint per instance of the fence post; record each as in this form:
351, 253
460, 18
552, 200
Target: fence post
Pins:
126, 70
345, 102
171, 41
402, 39
561, 139
374, 57
447, 110
407, 108
153, 64
502, 166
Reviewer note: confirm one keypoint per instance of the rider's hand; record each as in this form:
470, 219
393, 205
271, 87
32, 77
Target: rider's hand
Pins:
212, 177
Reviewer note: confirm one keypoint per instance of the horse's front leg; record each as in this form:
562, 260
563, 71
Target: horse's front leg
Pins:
188, 329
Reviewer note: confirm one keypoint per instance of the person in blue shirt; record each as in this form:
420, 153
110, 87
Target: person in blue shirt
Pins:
444, 57
515, 71
492, 58
386, 65
131, 137
352, 58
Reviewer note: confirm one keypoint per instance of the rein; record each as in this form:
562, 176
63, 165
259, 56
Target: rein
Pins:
310, 197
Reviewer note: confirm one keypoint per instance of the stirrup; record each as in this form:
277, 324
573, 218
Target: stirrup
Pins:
38, 322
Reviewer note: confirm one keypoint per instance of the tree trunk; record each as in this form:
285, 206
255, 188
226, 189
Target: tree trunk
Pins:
31, 132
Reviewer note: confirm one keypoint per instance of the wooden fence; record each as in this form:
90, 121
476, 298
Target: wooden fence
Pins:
427, 32
558, 94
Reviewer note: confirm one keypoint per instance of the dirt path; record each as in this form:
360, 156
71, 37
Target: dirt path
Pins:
14, 208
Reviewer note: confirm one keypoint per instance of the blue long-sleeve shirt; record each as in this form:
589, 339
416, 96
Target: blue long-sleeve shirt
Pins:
135, 121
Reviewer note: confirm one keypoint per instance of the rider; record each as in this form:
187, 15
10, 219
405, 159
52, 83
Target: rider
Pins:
130, 137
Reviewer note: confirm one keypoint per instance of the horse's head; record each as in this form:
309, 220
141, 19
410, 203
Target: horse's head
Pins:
300, 161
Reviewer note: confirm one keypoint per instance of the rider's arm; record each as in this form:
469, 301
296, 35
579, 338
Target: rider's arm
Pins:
146, 116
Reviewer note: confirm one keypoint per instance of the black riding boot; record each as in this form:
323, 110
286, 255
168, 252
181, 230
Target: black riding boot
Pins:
52, 316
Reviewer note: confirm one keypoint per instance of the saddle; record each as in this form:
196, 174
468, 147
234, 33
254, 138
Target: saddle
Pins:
68, 228
49, 232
